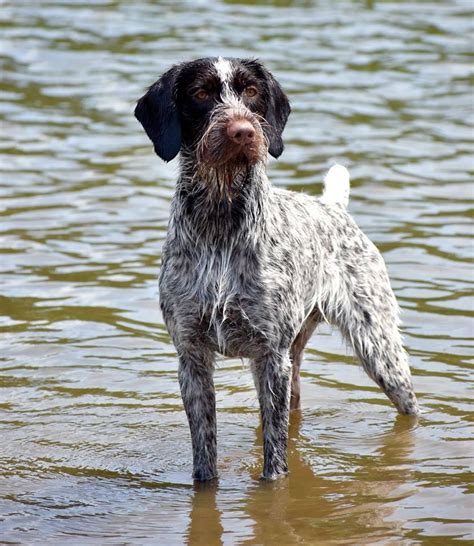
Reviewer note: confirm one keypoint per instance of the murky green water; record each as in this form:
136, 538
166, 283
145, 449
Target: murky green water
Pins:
94, 441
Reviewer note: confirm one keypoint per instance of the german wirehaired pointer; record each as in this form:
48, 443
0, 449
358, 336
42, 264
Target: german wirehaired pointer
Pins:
249, 270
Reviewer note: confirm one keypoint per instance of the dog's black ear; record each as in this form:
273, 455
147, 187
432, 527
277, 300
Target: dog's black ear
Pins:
278, 108
157, 112
277, 115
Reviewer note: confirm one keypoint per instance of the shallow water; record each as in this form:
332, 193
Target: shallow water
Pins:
94, 441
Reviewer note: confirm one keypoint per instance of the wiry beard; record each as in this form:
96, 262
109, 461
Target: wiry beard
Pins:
224, 181
222, 165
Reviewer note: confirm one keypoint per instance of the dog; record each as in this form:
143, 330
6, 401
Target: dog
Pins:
249, 270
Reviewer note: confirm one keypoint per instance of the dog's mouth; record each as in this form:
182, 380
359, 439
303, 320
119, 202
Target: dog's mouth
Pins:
234, 138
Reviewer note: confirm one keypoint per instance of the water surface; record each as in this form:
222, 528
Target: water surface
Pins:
94, 440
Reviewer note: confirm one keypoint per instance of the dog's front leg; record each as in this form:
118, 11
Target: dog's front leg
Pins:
272, 379
195, 374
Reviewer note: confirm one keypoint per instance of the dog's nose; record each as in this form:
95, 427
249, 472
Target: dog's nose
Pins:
241, 131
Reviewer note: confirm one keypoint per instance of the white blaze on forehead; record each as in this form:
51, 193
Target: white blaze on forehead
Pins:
224, 70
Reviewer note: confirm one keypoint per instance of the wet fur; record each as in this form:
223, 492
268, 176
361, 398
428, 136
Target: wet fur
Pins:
249, 270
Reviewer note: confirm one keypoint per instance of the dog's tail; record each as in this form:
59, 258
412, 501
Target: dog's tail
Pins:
336, 186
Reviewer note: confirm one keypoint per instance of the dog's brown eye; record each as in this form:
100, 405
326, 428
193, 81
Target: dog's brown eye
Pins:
201, 94
251, 91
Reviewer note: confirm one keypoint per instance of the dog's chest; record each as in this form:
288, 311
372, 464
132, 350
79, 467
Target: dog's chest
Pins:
228, 289
221, 293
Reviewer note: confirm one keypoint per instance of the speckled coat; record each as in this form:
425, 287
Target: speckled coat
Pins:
250, 274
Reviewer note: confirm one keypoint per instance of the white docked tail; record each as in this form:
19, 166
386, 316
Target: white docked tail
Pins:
336, 186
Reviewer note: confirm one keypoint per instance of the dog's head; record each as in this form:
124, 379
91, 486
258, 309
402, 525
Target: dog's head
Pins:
227, 110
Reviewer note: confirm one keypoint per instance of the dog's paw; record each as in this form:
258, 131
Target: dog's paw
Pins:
273, 476
274, 473
204, 475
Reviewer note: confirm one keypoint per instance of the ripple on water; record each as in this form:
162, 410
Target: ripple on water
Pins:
95, 441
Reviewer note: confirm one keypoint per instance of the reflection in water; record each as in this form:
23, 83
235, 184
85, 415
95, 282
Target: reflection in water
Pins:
205, 525
306, 506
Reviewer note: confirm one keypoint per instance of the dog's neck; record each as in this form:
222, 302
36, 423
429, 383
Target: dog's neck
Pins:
220, 203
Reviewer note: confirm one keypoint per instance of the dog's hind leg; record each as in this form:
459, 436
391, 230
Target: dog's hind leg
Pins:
380, 350
366, 311
296, 356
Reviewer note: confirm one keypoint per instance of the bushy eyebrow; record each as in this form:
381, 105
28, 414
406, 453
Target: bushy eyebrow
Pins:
205, 82
244, 77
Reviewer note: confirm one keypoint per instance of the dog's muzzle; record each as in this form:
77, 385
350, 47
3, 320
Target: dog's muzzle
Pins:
234, 136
